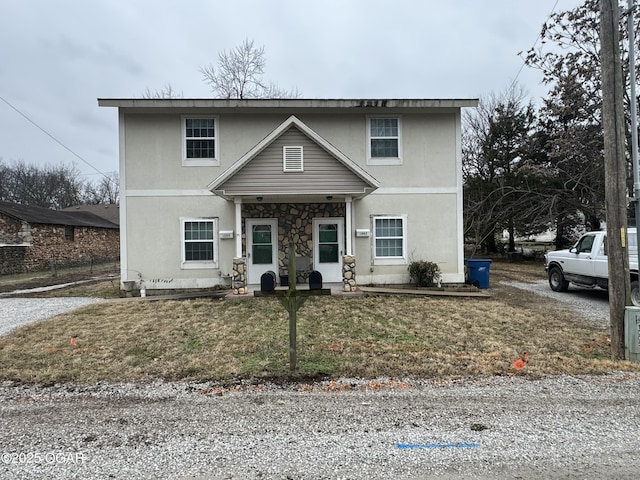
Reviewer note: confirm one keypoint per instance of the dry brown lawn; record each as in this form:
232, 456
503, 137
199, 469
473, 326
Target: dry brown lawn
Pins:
368, 337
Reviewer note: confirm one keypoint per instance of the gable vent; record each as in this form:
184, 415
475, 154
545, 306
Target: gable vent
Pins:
292, 159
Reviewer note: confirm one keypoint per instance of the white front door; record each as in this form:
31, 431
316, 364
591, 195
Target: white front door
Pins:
262, 248
328, 248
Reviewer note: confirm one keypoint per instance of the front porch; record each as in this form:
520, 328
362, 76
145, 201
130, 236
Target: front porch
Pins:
317, 231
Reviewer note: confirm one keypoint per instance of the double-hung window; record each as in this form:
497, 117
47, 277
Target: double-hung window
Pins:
390, 240
200, 143
384, 141
199, 242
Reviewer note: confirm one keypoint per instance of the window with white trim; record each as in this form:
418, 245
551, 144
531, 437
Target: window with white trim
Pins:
292, 159
200, 141
199, 242
384, 141
390, 239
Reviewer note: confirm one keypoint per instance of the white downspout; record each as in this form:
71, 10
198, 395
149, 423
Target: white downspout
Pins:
348, 222
122, 152
238, 202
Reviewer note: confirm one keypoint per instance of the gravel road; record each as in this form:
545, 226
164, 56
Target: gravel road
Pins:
559, 427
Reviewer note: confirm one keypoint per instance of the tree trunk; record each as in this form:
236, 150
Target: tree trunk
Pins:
512, 237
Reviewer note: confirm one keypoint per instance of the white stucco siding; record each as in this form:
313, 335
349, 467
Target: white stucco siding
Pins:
154, 147
153, 151
431, 235
154, 250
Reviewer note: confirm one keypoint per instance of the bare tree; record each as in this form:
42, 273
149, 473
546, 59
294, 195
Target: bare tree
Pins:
239, 75
165, 92
106, 190
51, 186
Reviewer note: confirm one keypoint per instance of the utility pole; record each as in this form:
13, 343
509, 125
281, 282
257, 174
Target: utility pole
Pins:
633, 107
615, 172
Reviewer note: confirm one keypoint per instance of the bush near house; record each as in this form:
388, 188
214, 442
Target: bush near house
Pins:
424, 274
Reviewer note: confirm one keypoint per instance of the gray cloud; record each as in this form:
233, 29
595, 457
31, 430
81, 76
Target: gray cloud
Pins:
58, 57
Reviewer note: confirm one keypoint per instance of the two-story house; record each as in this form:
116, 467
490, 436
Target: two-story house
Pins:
215, 191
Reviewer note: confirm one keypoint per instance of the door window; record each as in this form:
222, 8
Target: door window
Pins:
328, 243
262, 240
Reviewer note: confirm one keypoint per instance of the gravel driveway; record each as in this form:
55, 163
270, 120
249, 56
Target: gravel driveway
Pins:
15, 312
589, 304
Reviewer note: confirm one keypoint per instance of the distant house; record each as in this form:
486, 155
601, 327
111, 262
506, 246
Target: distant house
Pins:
215, 191
32, 237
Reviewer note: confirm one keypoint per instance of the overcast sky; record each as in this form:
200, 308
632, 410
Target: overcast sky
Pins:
58, 57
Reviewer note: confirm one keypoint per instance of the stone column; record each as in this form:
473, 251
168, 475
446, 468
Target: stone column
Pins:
349, 283
239, 276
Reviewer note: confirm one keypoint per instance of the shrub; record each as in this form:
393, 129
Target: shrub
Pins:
424, 274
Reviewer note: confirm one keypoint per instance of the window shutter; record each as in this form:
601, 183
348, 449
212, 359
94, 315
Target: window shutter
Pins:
292, 159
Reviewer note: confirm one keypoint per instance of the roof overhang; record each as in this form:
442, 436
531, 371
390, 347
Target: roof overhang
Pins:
222, 105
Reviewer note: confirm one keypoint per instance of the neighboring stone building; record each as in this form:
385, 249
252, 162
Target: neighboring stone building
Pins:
31, 238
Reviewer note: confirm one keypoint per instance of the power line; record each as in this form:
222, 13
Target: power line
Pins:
51, 136
532, 47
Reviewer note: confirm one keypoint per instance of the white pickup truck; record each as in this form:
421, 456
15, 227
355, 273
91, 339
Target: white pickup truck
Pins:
585, 264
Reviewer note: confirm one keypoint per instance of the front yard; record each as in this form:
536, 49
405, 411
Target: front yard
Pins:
368, 337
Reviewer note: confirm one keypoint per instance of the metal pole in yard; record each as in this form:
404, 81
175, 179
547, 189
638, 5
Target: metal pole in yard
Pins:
293, 308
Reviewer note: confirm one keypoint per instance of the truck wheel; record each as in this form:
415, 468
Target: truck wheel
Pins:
557, 281
635, 293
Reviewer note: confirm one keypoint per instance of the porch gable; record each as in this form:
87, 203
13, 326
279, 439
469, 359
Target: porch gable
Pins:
321, 169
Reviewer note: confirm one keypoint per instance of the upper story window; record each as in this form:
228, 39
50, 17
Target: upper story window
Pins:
384, 141
390, 240
200, 141
199, 242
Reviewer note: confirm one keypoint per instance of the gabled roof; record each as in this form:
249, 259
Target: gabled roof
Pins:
108, 211
33, 214
368, 180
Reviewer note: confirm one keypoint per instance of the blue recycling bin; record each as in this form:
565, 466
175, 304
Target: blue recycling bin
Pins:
478, 271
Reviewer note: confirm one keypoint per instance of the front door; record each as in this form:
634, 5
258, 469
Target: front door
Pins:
262, 248
328, 248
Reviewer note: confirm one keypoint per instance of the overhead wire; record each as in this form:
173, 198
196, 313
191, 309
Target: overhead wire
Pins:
26, 117
515, 80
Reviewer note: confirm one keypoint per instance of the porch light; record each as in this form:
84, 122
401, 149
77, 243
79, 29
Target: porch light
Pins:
329, 197
259, 199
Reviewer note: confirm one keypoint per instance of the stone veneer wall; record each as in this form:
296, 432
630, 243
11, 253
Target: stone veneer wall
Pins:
295, 223
12, 259
349, 283
10, 230
48, 243
239, 276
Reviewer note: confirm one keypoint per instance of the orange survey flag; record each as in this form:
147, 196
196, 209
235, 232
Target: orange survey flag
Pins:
520, 363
